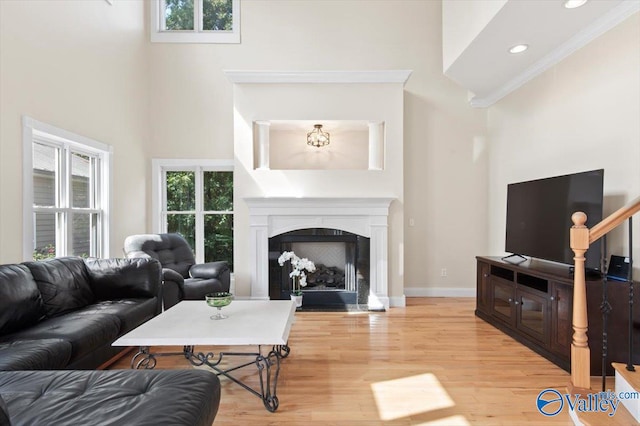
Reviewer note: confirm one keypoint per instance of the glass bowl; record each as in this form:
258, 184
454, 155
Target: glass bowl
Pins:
218, 300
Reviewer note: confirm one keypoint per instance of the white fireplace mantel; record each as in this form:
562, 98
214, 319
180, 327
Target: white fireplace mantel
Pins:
322, 76
368, 217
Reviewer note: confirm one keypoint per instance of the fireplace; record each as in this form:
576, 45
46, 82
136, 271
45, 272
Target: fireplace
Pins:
364, 219
342, 258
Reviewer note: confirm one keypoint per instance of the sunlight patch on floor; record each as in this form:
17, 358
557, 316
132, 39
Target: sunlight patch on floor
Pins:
409, 396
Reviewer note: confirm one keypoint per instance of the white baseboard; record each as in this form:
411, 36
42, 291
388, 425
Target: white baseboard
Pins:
400, 301
440, 292
397, 302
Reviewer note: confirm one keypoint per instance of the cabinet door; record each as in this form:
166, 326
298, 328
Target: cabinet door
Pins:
483, 293
561, 319
532, 314
502, 298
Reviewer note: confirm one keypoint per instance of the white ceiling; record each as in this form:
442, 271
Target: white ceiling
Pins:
489, 71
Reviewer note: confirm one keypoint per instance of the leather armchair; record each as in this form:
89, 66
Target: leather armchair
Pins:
183, 279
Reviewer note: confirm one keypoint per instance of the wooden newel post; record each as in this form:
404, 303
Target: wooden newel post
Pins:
580, 355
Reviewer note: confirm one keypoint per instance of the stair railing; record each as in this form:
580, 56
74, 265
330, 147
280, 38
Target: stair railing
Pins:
581, 237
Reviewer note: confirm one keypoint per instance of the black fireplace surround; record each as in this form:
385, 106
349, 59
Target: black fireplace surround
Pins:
331, 286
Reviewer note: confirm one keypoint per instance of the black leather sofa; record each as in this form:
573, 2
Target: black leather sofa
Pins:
64, 313
58, 318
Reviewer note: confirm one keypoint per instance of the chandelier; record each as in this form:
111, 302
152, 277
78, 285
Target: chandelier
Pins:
317, 137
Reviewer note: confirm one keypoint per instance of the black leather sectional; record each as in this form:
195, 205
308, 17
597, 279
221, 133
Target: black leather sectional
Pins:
58, 319
110, 397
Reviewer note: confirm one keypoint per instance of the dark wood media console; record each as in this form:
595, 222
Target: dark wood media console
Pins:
533, 303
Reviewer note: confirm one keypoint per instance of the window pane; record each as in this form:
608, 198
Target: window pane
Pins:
80, 180
218, 238
181, 191
84, 234
218, 191
61, 224
185, 225
45, 171
217, 15
44, 236
178, 15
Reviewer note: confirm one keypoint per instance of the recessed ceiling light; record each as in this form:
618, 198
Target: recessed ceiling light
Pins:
572, 4
519, 48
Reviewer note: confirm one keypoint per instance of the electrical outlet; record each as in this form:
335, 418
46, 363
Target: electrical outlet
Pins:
443, 272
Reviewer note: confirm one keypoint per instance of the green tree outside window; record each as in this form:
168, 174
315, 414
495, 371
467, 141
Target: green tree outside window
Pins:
216, 214
217, 15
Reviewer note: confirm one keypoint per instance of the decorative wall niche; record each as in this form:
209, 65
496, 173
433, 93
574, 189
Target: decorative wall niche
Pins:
354, 145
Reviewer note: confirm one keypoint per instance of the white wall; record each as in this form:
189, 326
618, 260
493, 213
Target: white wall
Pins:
88, 67
582, 114
80, 66
445, 168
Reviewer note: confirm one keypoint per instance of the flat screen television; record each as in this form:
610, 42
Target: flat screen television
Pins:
539, 216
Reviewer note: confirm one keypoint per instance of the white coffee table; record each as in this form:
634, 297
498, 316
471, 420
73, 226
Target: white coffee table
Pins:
248, 323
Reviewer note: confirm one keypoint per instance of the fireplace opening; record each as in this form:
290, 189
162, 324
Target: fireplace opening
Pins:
342, 261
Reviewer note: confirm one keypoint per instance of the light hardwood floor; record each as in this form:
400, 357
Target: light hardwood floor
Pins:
431, 363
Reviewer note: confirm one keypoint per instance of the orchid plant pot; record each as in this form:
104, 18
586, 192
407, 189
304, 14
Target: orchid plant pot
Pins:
297, 298
298, 275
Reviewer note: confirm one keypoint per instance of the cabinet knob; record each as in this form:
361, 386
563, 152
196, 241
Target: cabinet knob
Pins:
485, 275
510, 300
552, 298
517, 303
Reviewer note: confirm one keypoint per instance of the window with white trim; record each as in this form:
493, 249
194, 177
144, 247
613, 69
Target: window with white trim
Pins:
195, 199
195, 21
66, 193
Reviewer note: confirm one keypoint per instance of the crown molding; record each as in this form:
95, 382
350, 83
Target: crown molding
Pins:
351, 77
582, 38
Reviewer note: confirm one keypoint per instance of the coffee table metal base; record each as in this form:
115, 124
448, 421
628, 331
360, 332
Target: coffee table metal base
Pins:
268, 367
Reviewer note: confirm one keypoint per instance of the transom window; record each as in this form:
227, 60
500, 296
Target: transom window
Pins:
196, 201
195, 21
66, 194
